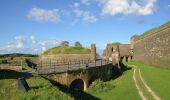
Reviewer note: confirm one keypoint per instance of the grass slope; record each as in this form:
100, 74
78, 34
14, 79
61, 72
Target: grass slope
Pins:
67, 50
157, 78
122, 88
154, 29
41, 89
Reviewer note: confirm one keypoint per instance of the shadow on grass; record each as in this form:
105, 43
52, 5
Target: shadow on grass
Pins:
118, 72
11, 74
76, 94
36, 87
80, 94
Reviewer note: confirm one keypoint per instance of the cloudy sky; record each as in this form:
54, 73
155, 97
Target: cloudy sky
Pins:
32, 26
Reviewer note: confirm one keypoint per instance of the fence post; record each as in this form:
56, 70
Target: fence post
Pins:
101, 62
68, 67
79, 64
54, 67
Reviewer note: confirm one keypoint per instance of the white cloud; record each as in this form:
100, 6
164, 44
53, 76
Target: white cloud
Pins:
44, 15
85, 15
33, 40
113, 7
49, 43
20, 41
86, 2
22, 44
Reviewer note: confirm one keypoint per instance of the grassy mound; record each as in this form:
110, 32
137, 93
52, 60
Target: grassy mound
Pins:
40, 89
152, 31
67, 50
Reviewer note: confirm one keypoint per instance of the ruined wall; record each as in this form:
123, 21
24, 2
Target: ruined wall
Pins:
124, 49
154, 49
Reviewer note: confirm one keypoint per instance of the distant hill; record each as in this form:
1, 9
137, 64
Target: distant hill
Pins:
151, 31
17, 55
67, 50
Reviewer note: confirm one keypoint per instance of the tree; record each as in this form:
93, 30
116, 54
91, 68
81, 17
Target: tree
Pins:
135, 36
78, 44
65, 43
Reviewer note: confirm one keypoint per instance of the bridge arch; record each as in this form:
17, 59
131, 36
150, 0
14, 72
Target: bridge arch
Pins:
78, 84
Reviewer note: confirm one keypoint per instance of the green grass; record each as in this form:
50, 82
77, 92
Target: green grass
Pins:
40, 89
116, 43
122, 88
157, 78
154, 29
67, 50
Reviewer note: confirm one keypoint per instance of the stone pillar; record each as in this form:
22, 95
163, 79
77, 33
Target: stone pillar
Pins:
85, 86
109, 51
115, 58
93, 52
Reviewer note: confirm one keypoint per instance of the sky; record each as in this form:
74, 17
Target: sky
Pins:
33, 26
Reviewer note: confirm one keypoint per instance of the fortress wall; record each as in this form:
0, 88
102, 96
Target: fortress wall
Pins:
154, 49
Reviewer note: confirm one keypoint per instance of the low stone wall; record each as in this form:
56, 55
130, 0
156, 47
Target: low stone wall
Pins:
16, 68
66, 57
154, 49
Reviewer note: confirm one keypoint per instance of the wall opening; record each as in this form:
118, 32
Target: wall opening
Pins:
77, 84
131, 58
127, 58
121, 58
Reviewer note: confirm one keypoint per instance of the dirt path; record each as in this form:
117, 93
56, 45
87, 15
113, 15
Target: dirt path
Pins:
145, 92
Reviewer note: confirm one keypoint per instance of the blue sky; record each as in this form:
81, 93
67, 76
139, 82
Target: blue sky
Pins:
32, 26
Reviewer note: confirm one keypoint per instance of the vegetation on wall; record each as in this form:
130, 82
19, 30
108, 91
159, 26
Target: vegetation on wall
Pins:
116, 43
151, 31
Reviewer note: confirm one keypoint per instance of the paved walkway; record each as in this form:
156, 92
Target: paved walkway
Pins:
145, 92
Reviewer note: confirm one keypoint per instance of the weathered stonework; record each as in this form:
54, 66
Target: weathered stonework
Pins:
114, 51
93, 52
88, 75
154, 49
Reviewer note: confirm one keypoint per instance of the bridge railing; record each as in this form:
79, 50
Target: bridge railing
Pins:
55, 67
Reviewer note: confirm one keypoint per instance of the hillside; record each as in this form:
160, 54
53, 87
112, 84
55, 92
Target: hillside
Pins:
67, 50
152, 31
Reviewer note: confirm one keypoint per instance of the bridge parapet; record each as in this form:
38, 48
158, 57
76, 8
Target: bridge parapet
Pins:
69, 76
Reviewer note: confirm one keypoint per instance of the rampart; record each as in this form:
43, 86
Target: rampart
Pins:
154, 48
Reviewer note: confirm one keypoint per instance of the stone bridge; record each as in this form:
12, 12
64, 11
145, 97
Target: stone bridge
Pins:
79, 77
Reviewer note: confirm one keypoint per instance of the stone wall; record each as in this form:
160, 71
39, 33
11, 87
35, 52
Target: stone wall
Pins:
154, 49
66, 57
104, 72
124, 49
